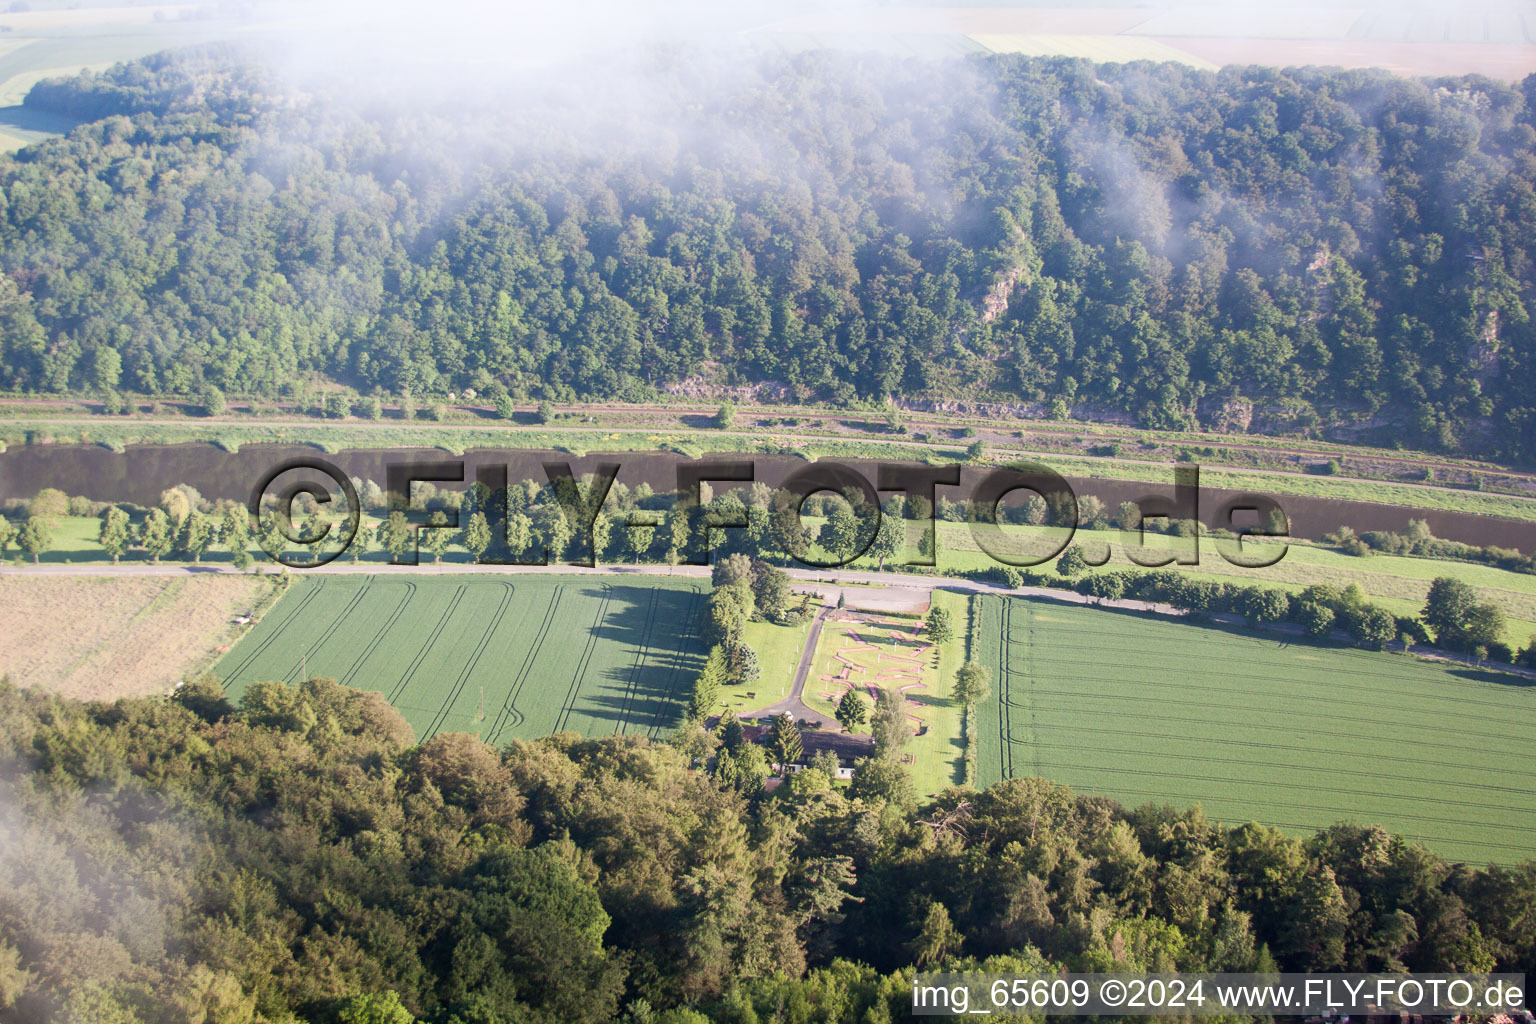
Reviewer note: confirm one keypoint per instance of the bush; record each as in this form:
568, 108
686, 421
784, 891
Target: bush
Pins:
337, 405
1104, 586
1316, 619
1072, 562
545, 413
505, 407
50, 502
213, 401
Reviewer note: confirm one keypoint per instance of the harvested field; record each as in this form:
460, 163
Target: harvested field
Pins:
1506, 62
100, 638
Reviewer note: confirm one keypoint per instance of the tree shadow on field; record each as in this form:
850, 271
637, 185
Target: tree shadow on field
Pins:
1489, 675
657, 631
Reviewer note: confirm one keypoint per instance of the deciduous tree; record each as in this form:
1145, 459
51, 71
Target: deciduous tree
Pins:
157, 534
114, 534
973, 684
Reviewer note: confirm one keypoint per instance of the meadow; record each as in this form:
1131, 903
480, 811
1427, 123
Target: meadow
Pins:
496, 657
1294, 735
778, 653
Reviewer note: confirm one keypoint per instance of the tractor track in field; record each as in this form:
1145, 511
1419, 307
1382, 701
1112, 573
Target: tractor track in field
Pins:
1464, 739
1150, 773
642, 652
426, 646
508, 590
326, 634
277, 631
509, 714
569, 703
1005, 713
1023, 697
383, 631
679, 657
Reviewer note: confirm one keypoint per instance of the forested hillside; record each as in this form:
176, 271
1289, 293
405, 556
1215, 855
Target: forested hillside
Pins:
1250, 249
297, 859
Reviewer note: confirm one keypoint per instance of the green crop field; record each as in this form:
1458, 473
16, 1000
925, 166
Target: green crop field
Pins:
488, 655
1290, 734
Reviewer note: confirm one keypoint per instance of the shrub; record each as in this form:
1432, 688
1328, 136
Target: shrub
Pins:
50, 502
337, 405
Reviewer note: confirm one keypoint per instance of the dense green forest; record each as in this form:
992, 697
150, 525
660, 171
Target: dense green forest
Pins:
298, 859
1252, 249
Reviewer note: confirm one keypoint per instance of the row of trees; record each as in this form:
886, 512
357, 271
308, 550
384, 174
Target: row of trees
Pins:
1417, 540
744, 590
1453, 616
299, 859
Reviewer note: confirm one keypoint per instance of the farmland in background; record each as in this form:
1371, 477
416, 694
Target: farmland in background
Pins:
1486, 38
1398, 583
497, 657
38, 44
1289, 734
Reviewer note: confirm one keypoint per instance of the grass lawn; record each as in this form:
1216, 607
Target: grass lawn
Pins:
1294, 735
778, 652
497, 657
